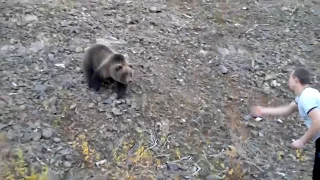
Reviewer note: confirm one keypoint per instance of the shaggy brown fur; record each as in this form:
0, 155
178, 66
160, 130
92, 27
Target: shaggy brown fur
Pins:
100, 63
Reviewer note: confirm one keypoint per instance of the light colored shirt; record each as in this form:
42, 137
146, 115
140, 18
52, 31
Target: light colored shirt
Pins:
308, 100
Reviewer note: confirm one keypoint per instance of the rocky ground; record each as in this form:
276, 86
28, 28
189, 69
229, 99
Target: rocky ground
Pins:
199, 67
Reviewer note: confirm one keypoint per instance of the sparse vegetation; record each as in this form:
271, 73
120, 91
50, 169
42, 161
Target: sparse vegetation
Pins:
199, 66
13, 165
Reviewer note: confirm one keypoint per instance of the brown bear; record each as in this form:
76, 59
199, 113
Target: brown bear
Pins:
101, 63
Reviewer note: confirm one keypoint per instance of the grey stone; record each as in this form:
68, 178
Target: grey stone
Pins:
37, 46
56, 139
2, 126
52, 175
65, 152
67, 164
12, 134
27, 137
30, 17
223, 69
223, 51
116, 111
47, 133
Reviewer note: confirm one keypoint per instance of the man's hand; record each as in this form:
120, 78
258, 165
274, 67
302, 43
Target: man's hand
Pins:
256, 111
259, 111
298, 144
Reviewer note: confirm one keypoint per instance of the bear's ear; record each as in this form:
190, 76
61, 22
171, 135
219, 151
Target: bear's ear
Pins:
118, 57
118, 67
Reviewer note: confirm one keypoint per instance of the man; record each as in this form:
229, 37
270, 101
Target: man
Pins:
307, 102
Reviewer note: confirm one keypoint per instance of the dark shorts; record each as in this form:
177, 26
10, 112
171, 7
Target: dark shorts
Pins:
316, 166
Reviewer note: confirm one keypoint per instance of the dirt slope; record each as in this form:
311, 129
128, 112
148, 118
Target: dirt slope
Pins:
199, 66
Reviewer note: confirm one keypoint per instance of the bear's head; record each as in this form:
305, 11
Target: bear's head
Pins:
123, 73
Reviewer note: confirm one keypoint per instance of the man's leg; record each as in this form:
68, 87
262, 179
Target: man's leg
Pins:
316, 166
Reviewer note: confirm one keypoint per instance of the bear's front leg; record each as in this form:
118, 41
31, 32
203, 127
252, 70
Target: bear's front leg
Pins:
121, 90
96, 82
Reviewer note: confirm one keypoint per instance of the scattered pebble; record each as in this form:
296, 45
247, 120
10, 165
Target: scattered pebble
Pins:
73, 106
56, 139
43, 80
154, 9
223, 69
30, 17
116, 111
36, 136
60, 65
37, 46
47, 133
67, 164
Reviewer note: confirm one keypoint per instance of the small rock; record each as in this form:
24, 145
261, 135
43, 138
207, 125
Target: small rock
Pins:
16, 127
12, 134
223, 69
269, 77
107, 101
113, 96
203, 52
22, 50
79, 49
7, 48
109, 115
128, 102
287, 30
37, 46
266, 90
23, 116
172, 167
11, 122
36, 136
7, 99
38, 148
31, 18
45, 124
58, 148
52, 175
65, 152
223, 51
2, 126
2, 103
133, 105
68, 157
56, 139
47, 133
260, 134
154, 10
51, 57
274, 83
116, 111
61, 65
22, 107
211, 177
284, 8
118, 102
73, 106
67, 164
27, 137
91, 105
101, 110
255, 133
